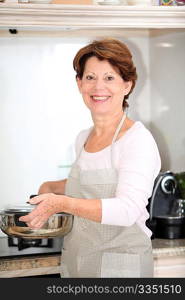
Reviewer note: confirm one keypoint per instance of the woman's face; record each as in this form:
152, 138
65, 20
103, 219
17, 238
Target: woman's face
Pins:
102, 88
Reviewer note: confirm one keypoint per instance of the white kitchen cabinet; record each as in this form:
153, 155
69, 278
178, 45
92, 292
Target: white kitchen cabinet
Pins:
169, 266
69, 17
169, 258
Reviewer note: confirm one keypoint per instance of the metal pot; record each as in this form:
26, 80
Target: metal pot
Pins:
59, 224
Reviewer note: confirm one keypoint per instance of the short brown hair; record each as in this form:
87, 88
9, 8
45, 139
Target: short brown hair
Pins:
115, 52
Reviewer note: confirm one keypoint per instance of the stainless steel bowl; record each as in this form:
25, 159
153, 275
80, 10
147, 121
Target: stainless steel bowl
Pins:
59, 224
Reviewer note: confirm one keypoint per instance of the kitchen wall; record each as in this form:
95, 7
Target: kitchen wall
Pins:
167, 98
41, 110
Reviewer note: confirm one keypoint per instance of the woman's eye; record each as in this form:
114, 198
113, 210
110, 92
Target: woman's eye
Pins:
109, 78
89, 77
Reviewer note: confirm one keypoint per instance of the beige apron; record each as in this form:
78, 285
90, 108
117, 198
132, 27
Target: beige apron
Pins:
96, 250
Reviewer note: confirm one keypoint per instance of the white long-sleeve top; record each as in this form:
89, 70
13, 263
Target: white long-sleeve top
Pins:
137, 160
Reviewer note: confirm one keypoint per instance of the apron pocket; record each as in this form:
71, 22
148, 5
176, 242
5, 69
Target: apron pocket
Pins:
123, 265
64, 273
63, 267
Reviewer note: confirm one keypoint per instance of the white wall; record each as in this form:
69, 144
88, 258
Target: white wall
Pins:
167, 101
41, 112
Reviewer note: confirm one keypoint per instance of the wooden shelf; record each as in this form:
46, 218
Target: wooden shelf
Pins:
69, 17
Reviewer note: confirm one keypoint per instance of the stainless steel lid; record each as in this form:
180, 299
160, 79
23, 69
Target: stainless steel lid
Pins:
10, 210
17, 209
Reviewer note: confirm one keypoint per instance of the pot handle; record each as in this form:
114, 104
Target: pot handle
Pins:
31, 196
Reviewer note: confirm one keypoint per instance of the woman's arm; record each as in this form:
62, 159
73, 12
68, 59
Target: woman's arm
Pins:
55, 187
90, 209
49, 204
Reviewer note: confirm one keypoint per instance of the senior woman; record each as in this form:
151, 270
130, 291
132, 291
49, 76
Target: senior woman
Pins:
117, 161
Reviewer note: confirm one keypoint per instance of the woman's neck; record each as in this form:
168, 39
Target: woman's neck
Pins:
106, 124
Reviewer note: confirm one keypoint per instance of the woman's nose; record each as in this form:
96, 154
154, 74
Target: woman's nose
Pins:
99, 83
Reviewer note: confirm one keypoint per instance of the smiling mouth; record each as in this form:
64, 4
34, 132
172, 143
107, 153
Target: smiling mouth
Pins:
100, 98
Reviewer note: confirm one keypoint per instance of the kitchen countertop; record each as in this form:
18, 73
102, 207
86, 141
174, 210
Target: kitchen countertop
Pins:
25, 266
50, 264
168, 247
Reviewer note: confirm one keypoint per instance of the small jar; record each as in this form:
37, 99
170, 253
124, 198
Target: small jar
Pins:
180, 2
166, 2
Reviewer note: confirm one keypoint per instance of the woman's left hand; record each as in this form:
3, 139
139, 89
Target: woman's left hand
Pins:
47, 205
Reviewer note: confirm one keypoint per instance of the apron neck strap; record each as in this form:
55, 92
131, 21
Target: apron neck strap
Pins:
119, 128
114, 138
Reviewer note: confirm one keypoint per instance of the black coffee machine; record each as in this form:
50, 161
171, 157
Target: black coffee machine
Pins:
163, 223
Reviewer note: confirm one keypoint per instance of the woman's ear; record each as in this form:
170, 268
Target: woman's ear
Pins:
128, 86
79, 83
